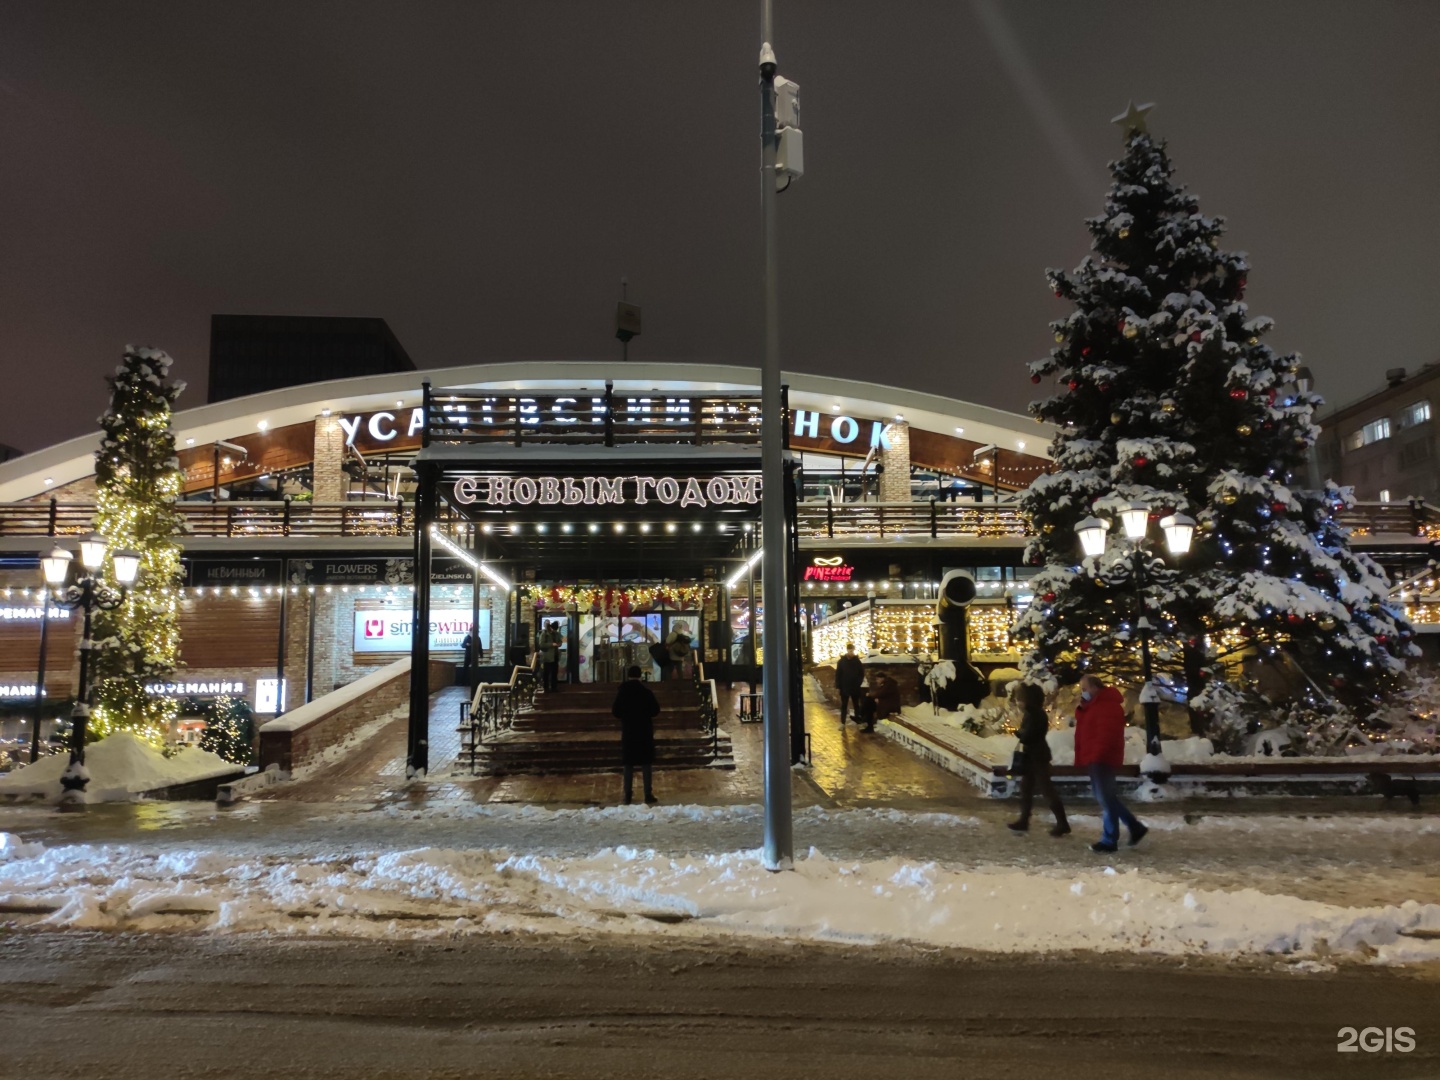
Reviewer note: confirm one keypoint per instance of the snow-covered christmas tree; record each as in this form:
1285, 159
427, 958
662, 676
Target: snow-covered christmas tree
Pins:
138, 479
1168, 399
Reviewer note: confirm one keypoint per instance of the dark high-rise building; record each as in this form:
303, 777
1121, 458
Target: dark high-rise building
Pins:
253, 353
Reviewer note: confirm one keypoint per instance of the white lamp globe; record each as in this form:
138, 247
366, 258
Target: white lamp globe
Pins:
56, 566
1135, 518
1179, 529
1091, 531
127, 566
92, 551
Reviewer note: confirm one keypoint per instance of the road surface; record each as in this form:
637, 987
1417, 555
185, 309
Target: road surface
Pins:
140, 1007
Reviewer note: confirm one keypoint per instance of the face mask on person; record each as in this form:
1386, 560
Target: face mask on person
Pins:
1086, 695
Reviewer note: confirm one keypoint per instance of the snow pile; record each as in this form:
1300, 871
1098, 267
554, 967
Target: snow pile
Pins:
11, 847
120, 766
440, 891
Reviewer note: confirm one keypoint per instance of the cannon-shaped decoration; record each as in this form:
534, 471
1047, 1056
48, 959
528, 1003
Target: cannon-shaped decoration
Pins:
968, 687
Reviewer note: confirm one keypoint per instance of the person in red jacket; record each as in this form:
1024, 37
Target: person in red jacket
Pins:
1100, 748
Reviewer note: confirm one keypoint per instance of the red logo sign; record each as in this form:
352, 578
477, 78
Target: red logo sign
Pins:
828, 573
374, 628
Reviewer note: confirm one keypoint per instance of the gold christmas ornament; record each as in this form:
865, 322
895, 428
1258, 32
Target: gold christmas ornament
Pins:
1130, 330
1124, 233
1059, 336
1115, 418
1228, 498
1243, 429
1254, 341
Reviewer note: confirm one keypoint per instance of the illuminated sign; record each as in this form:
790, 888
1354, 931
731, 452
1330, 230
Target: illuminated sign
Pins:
198, 688
390, 630
17, 690
833, 568
607, 490
266, 695
27, 614
843, 429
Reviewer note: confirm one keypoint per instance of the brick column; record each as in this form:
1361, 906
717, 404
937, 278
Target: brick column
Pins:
895, 480
329, 481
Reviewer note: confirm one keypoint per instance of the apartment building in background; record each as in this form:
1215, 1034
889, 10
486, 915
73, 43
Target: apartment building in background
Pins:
1383, 445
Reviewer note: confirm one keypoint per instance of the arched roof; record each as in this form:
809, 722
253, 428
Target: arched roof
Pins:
26, 476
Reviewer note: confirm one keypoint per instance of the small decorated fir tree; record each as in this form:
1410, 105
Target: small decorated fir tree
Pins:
1169, 399
138, 479
229, 730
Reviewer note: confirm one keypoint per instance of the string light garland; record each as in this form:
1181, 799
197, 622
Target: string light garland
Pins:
138, 480
616, 601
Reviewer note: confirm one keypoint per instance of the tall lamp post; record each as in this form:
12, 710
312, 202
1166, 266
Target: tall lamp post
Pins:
87, 590
1136, 565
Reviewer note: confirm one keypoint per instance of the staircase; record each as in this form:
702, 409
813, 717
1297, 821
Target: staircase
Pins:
572, 731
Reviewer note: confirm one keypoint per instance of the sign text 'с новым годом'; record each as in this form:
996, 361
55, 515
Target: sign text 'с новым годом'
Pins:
608, 490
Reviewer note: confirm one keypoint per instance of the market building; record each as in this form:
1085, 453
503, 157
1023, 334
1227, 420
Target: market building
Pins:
622, 507
620, 503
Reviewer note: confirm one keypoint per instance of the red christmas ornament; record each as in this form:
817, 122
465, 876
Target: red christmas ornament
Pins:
1104, 387
1120, 326
1074, 384
1277, 508
1058, 294
1294, 619
1240, 282
1084, 646
1035, 379
1196, 335
1247, 631
1085, 350
1141, 461
1239, 393
1382, 638
1049, 598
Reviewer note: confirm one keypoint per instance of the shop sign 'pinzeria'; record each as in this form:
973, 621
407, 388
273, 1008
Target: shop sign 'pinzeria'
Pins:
607, 490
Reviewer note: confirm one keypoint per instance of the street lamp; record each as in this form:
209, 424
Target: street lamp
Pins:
87, 591
1179, 529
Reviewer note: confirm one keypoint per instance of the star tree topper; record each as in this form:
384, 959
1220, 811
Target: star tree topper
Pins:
1132, 120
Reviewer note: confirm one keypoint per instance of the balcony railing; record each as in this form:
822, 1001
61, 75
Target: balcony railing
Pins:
226, 519
841, 521
817, 521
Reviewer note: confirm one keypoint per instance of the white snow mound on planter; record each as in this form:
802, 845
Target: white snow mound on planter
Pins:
121, 766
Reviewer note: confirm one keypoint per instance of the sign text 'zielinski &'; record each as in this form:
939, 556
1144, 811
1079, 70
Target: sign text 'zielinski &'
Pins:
607, 490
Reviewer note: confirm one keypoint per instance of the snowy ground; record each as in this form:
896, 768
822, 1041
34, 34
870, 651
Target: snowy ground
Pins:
1362, 887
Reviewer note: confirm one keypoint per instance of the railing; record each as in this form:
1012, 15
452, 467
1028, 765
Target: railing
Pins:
470, 417
227, 519
832, 520
828, 520
1414, 517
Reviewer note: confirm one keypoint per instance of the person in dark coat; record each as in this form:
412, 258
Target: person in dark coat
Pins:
849, 678
1100, 748
1034, 726
883, 700
636, 708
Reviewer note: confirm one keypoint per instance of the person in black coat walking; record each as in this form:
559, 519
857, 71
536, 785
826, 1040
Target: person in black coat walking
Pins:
636, 708
1034, 725
849, 677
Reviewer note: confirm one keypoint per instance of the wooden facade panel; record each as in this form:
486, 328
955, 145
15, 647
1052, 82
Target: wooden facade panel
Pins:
227, 632
20, 653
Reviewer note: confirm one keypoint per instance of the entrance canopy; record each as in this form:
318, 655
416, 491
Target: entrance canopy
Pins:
640, 511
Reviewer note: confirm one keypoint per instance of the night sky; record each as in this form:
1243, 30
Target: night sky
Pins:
482, 174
